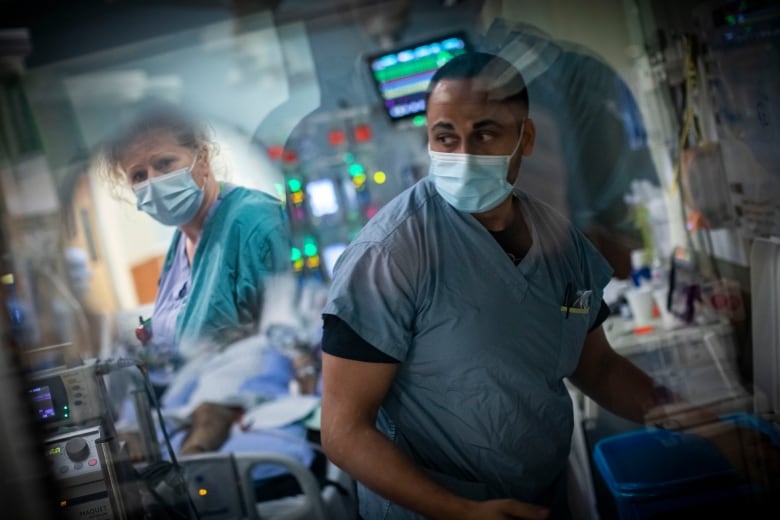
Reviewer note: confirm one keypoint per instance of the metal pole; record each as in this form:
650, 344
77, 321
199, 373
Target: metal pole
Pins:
143, 413
110, 475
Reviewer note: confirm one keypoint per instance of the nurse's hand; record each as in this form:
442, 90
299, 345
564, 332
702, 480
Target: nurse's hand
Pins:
505, 509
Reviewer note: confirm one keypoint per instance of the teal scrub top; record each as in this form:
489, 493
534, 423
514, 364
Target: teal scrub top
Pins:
479, 400
245, 240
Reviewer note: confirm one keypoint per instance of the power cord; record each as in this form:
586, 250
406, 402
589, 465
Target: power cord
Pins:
180, 481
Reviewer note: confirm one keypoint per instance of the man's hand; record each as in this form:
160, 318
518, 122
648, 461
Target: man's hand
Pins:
681, 415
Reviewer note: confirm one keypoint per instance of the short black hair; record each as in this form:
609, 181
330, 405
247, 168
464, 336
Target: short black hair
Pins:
503, 77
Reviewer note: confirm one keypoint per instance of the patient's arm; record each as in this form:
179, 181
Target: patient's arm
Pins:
210, 427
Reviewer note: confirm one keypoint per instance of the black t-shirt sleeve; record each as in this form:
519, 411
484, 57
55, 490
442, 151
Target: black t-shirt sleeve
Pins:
338, 339
602, 316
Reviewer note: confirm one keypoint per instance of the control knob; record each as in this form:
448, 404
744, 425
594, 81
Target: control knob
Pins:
77, 449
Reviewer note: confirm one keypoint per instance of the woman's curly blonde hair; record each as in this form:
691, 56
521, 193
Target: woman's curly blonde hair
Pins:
189, 133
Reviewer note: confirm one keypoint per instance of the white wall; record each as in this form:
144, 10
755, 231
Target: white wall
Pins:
128, 237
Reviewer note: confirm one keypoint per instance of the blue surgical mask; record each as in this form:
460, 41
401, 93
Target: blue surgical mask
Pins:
172, 199
472, 183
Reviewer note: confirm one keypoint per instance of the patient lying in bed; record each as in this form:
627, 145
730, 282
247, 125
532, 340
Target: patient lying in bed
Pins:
252, 396
215, 392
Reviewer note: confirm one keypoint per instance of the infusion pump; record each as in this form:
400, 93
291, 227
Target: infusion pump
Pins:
68, 396
93, 473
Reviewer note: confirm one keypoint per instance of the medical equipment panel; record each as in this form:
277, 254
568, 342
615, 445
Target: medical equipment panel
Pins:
80, 469
337, 177
206, 477
95, 477
65, 397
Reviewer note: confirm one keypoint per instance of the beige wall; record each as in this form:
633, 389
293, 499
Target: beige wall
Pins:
610, 30
599, 25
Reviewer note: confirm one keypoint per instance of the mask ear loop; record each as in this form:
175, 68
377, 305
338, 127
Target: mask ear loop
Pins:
192, 168
519, 139
517, 145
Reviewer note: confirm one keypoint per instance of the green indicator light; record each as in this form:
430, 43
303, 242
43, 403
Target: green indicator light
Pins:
356, 169
418, 120
65, 407
349, 158
295, 254
310, 249
294, 184
731, 20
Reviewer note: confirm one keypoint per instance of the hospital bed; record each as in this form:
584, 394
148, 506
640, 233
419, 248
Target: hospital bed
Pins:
233, 482
273, 442
206, 474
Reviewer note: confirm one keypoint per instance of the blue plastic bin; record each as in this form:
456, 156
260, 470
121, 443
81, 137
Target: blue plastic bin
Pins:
652, 473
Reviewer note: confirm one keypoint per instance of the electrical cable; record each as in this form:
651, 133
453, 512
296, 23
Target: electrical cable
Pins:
690, 74
106, 366
690, 122
174, 461
152, 474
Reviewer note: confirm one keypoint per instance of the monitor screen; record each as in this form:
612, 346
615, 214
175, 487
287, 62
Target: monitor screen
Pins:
322, 197
402, 76
330, 255
42, 401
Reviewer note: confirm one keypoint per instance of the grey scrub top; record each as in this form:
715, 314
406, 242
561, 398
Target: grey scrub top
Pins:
478, 401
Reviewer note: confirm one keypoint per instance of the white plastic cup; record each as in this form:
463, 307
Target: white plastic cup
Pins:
640, 301
668, 320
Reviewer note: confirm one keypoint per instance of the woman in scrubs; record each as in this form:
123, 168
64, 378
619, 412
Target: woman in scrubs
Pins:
228, 241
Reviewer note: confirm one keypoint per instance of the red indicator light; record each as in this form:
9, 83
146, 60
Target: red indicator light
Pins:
362, 133
336, 137
276, 152
289, 156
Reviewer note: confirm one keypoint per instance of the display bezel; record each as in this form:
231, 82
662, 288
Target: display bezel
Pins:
59, 398
372, 57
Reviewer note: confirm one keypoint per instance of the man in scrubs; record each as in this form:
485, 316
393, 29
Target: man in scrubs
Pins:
454, 317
